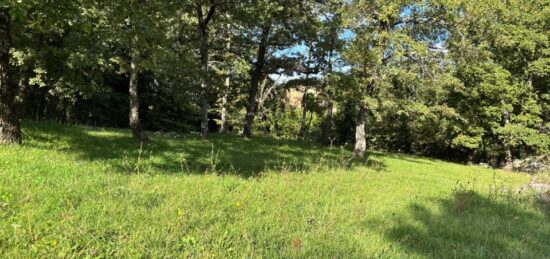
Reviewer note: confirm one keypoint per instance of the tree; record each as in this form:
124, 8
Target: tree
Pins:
31, 29
255, 77
204, 19
274, 25
391, 52
331, 44
499, 54
135, 31
227, 81
10, 130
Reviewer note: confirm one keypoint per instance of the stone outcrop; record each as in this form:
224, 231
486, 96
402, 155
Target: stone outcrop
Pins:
530, 165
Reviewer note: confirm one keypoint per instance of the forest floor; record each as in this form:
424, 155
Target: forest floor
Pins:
72, 191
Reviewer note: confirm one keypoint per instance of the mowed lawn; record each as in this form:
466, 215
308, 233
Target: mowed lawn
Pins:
88, 192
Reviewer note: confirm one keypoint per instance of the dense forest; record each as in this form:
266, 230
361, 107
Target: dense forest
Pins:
462, 80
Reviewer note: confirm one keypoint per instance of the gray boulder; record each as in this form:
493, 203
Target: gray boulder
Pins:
532, 164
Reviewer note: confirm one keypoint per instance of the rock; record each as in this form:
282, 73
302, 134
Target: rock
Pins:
530, 164
542, 190
508, 167
517, 163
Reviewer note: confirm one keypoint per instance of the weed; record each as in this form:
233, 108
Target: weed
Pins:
462, 197
136, 163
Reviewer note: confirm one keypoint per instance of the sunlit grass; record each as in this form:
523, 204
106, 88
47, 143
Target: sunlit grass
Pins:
76, 191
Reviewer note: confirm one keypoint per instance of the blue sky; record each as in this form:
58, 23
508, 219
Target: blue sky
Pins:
301, 50
346, 35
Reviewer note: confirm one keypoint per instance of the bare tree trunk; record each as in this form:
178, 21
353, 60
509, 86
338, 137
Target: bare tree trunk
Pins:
507, 149
360, 136
263, 94
135, 123
275, 119
10, 129
204, 82
203, 49
303, 121
326, 126
308, 125
256, 76
227, 82
227, 85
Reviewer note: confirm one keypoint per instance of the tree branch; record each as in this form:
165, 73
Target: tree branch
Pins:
210, 13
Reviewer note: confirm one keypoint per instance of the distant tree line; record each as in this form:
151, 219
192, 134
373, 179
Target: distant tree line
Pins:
462, 80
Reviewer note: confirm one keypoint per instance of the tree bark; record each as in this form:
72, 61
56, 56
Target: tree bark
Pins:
308, 127
135, 123
227, 85
507, 149
326, 126
10, 129
203, 51
227, 82
360, 136
204, 81
256, 76
302, 134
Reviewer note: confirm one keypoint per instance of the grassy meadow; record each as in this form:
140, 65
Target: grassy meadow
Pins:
73, 191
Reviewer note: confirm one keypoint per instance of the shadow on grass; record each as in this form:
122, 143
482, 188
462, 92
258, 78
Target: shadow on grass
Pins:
469, 225
227, 154
407, 157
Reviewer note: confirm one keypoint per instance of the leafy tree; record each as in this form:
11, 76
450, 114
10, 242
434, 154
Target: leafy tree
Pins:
272, 24
135, 32
204, 16
10, 131
391, 42
34, 32
498, 53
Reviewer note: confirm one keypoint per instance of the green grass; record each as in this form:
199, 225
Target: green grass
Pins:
89, 192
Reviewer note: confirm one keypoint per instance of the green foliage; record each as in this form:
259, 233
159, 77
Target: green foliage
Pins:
450, 78
457, 79
286, 124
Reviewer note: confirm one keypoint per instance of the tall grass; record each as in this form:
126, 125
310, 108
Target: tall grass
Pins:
90, 192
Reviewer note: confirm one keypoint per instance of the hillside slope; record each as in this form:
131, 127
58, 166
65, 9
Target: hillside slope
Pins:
77, 191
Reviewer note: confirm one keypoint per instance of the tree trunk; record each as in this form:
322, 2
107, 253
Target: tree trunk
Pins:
507, 149
256, 76
326, 126
302, 134
22, 94
226, 84
204, 81
262, 96
10, 129
223, 127
308, 127
360, 136
135, 123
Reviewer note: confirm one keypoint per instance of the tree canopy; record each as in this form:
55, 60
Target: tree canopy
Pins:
458, 79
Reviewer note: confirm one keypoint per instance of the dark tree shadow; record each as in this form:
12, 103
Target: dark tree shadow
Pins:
407, 157
169, 153
469, 225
